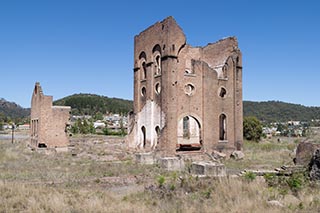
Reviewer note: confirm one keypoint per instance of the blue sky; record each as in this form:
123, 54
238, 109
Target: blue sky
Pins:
86, 46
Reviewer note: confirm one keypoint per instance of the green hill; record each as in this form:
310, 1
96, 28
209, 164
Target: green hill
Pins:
270, 111
90, 104
12, 110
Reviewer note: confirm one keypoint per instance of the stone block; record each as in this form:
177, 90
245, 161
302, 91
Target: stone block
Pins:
305, 152
145, 158
218, 155
208, 169
315, 166
237, 155
172, 163
62, 149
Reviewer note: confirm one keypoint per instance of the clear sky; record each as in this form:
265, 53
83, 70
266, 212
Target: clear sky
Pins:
86, 46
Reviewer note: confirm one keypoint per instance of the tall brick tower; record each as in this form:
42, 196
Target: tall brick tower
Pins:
185, 98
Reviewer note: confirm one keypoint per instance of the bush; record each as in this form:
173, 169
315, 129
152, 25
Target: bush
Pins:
250, 176
296, 181
161, 179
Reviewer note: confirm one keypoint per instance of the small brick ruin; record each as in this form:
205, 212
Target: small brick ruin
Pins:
48, 123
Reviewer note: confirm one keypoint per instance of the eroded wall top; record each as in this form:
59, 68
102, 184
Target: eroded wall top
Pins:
166, 34
171, 41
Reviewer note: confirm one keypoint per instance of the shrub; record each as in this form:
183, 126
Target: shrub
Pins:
250, 176
271, 179
296, 181
161, 179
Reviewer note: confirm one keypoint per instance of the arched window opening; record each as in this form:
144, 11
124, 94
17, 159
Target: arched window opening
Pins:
223, 92
189, 134
157, 88
158, 64
143, 55
186, 127
223, 127
156, 48
144, 70
143, 92
157, 129
156, 51
143, 129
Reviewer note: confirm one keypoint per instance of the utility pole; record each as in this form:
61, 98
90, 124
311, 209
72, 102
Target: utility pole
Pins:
12, 127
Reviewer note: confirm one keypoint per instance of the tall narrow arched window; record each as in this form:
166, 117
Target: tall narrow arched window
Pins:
157, 129
143, 66
158, 64
157, 88
143, 91
157, 59
223, 92
144, 70
143, 129
186, 127
222, 127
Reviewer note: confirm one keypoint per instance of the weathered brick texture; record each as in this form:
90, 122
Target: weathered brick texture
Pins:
185, 96
48, 123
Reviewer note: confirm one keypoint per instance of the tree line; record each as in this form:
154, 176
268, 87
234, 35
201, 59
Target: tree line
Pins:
89, 104
277, 111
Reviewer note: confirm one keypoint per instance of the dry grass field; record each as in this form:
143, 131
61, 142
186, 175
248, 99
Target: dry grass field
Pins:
100, 175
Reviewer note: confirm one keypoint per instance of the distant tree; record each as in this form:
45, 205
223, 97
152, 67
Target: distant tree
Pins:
252, 128
98, 116
304, 132
74, 128
280, 127
122, 129
92, 130
83, 127
106, 131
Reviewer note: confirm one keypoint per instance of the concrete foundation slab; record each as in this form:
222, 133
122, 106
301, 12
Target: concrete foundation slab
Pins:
145, 158
172, 163
208, 169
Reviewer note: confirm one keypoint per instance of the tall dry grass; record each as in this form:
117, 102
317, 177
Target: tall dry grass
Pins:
41, 198
267, 154
225, 195
36, 182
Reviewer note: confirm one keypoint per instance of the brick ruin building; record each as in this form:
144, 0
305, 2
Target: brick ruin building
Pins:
48, 123
185, 98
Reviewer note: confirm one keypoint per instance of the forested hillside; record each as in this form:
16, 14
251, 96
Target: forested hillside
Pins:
271, 111
12, 110
90, 104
